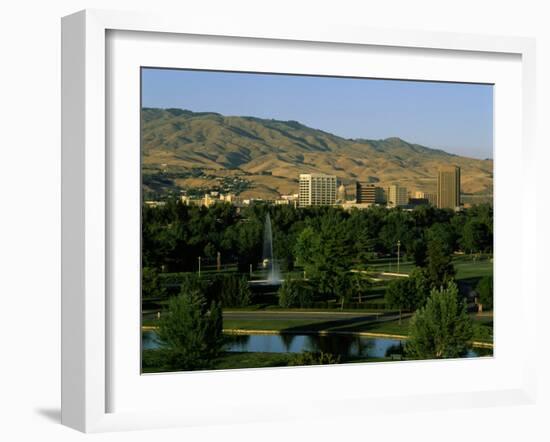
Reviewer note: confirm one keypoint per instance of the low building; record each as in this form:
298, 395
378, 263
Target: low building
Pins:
417, 202
154, 203
367, 193
430, 196
188, 201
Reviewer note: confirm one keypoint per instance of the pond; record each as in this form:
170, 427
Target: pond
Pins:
343, 345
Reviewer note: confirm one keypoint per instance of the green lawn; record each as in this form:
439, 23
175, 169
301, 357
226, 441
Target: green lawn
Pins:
465, 265
469, 271
231, 360
322, 324
390, 265
151, 363
466, 268
483, 326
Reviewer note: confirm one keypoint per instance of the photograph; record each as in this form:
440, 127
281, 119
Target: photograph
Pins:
296, 220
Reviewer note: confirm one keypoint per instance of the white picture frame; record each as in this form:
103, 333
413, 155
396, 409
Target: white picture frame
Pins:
87, 211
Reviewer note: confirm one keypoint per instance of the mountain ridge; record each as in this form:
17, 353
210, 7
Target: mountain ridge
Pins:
269, 155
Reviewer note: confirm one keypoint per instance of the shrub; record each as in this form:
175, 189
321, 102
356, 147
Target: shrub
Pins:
151, 287
440, 329
191, 331
313, 358
295, 293
395, 349
484, 290
231, 290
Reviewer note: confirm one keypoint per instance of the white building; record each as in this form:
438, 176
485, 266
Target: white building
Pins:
317, 190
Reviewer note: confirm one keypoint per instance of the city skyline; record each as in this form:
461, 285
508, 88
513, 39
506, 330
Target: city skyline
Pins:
317, 189
454, 117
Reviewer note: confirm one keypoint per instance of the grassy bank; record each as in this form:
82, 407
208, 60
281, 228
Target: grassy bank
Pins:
365, 324
232, 360
483, 325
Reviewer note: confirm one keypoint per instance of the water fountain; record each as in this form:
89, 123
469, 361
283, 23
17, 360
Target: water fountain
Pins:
273, 275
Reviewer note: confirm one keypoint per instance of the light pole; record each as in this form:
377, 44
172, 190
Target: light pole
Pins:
199, 266
398, 253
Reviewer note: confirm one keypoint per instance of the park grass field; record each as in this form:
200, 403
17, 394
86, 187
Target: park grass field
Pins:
467, 268
483, 329
228, 360
468, 272
232, 360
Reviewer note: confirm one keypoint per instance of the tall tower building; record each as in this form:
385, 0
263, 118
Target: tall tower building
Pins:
317, 189
397, 196
366, 193
448, 187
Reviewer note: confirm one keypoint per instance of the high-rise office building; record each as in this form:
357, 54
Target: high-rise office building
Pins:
397, 196
366, 193
448, 187
317, 189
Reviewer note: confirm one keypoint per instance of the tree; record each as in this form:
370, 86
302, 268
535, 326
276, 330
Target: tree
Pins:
440, 329
306, 244
364, 243
150, 284
396, 227
210, 251
444, 234
313, 358
420, 285
190, 331
360, 285
248, 243
408, 293
343, 288
231, 291
476, 237
484, 290
295, 293
418, 250
400, 295
439, 269
326, 253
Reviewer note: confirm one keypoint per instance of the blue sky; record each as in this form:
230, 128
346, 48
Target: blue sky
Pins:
454, 117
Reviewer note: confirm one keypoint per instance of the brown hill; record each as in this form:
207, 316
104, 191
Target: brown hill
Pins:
185, 150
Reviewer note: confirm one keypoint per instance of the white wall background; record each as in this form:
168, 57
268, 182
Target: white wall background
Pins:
30, 215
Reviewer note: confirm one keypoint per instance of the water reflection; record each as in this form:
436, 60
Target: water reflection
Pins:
346, 346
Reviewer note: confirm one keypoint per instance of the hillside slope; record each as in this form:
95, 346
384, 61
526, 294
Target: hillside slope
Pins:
185, 150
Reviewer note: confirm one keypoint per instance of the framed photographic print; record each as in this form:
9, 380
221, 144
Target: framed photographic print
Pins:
250, 214
267, 242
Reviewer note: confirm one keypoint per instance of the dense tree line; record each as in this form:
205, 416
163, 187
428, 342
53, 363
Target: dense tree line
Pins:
331, 246
175, 235
326, 242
